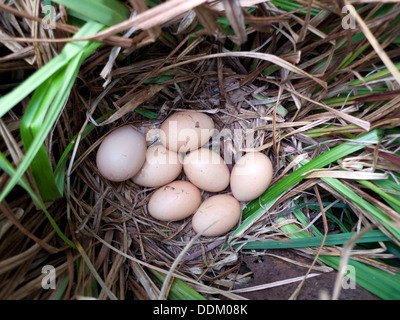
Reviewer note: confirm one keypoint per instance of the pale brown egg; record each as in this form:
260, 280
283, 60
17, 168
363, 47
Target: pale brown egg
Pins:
217, 215
186, 130
161, 167
121, 154
251, 176
206, 169
175, 201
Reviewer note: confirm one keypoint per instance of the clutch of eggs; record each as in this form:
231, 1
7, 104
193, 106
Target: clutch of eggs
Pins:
124, 155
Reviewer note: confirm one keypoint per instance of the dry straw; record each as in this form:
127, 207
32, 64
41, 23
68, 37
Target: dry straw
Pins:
319, 97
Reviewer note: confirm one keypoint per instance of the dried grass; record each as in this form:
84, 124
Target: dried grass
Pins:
119, 242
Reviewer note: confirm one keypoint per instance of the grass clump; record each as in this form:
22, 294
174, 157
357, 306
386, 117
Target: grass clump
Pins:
319, 98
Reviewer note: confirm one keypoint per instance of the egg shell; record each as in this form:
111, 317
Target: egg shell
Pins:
217, 215
161, 167
186, 130
174, 201
251, 176
121, 154
206, 169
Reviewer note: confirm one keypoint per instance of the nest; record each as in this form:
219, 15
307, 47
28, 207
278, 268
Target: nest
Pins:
119, 210
262, 96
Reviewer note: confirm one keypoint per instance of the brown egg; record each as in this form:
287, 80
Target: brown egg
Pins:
251, 176
186, 130
161, 167
217, 215
206, 169
121, 154
175, 201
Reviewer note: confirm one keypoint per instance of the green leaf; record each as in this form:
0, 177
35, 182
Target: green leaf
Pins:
41, 134
107, 12
147, 113
379, 282
31, 123
179, 289
380, 216
393, 199
8, 168
377, 75
66, 79
71, 49
260, 206
331, 239
292, 5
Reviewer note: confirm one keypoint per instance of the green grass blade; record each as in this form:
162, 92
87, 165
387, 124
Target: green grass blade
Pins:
30, 125
380, 185
179, 289
379, 282
146, 113
331, 239
292, 5
352, 56
70, 50
107, 12
258, 207
49, 184
377, 75
8, 168
44, 130
66, 74
364, 204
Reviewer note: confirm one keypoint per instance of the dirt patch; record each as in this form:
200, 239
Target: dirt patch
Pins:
268, 269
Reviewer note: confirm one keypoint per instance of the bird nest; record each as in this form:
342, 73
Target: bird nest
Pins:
261, 73
116, 213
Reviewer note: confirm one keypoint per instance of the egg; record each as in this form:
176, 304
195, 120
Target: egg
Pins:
174, 201
217, 215
121, 154
206, 170
186, 130
251, 176
161, 167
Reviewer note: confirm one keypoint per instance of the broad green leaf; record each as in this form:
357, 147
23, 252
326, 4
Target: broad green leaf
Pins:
49, 186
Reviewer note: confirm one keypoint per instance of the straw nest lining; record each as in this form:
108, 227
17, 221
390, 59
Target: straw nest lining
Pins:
121, 208
269, 98
118, 212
